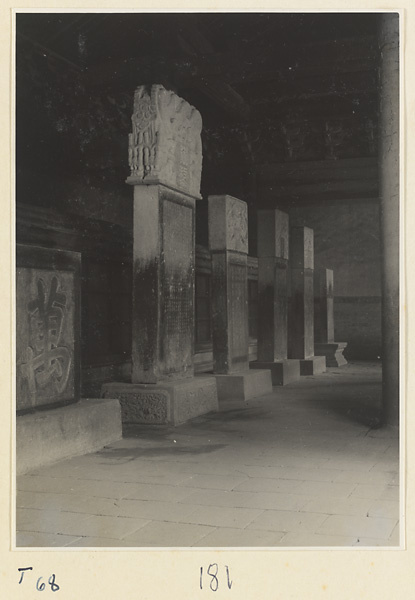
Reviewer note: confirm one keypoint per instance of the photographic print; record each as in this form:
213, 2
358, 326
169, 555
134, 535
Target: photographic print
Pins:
207, 281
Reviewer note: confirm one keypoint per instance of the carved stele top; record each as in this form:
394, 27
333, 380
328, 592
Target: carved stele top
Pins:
228, 224
165, 144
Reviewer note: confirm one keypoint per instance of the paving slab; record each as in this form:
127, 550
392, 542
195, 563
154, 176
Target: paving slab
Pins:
359, 526
111, 527
163, 534
300, 459
214, 482
387, 509
51, 521
375, 491
157, 510
234, 538
284, 520
261, 484
263, 500
339, 506
315, 540
221, 516
43, 540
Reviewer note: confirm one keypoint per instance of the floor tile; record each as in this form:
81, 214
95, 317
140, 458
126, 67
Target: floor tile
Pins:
366, 477
43, 540
358, 526
111, 527
260, 484
374, 491
154, 509
387, 509
284, 520
40, 483
229, 537
48, 521
214, 482
221, 516
287, 460
163, 534
67, 503
263, 500
325, 489
305, 539
339, 506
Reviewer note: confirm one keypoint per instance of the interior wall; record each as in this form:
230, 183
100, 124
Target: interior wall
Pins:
347, 240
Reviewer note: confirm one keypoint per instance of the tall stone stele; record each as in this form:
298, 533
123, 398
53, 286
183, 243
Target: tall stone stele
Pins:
324, 344
165, 159
228, 244
301, 309
272, 298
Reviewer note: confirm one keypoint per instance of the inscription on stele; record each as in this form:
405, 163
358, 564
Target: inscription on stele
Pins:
178, 285
238, 317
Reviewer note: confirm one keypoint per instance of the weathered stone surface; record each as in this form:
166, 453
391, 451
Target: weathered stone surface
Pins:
228, 244
47, 327
165, 144
272, 285
163, 284
283, 372
243, 386
324, 309
313, 365
301, 248
51, 435
273, 234
301, 312
171, 402
324, 321
228, 224
333, 352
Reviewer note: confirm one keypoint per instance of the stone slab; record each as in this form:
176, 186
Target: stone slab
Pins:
313, 365
47, 327
163, 285
333, 351
172, 402
45, 437
282, 371
243, 386
228, 224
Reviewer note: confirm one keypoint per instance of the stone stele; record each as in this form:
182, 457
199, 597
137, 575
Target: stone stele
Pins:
273, 227
165, 144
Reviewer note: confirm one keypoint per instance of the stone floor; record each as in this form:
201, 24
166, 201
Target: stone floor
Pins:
303, 466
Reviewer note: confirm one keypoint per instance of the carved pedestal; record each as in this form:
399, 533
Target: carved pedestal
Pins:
324, 321
228, 243
301, 312
272, 298
52, 421
165, 160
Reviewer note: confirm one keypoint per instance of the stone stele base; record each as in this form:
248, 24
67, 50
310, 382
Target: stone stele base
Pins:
333, 351
282, 371
244, 385
172, 402
313, 365
47, 436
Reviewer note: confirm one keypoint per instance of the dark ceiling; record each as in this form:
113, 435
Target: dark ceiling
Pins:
243, 63
273, 89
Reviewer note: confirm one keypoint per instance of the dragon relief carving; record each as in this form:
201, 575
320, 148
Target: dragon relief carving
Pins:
165, 144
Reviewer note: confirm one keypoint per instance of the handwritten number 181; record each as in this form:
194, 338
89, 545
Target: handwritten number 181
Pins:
212, 572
